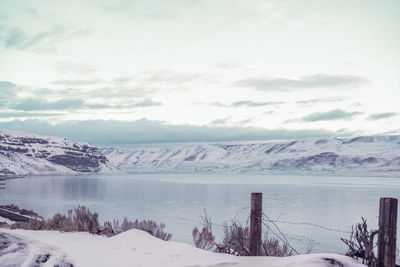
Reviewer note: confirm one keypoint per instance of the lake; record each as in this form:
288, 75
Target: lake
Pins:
299, 204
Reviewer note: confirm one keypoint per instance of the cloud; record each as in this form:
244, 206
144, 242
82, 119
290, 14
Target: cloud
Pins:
379, 116
176, 77
146, 103
28, 104
247, 103
320, 100
75, 67
220, 121
70, 99
17, 38
42, 40
7, 88
78, 82
306, 82
68, 104
7, 93
14, 38
229, 65
144, 131
12, 115
334, 114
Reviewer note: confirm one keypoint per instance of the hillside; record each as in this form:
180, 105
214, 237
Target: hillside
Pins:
29, 154
371, 155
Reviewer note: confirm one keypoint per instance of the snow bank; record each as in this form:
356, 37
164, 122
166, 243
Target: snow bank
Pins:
138, 248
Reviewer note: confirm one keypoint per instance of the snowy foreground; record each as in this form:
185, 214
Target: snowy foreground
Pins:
131, 248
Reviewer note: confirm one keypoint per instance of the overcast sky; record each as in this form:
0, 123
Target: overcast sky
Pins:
126, 71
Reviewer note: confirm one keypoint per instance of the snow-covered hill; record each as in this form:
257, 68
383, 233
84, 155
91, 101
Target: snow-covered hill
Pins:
371, 155
24, 153
29, 154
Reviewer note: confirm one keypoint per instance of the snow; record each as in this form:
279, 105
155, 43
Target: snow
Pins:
370, 156
2, 219
24, 153
360, 156
137, 248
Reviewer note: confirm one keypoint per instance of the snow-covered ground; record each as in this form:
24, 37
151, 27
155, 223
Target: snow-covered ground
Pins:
132, 248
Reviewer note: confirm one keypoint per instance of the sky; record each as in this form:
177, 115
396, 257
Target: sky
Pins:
129, 71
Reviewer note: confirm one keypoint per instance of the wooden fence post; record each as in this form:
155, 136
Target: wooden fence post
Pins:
387, 232
255, 224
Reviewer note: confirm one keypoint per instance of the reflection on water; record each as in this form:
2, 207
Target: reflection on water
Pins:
178, 200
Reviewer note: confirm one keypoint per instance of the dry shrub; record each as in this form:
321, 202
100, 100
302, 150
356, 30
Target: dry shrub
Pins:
362, 244
81, 219
236, 240
203, 239
149, 226
272, 247
85, 221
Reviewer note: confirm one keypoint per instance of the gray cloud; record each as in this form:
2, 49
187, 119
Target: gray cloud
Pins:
70, 99
146, 103
45, 40
379, 116
28, 104
12, 115
220, 121
123, 79
334, 114
7, 88
67, 104
14, 38
247, 103
145, 131
320, 100
7, 93
17, 38
307, 82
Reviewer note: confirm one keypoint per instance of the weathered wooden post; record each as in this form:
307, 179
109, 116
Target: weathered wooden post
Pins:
255, 224
387, 232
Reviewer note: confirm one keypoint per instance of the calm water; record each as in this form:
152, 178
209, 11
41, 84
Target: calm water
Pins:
178, 200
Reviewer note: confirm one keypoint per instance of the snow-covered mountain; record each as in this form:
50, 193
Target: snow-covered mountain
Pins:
29, 154
370, 155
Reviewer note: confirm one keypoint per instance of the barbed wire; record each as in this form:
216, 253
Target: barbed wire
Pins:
314, 225
275, 221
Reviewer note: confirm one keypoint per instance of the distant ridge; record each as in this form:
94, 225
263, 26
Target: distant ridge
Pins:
24, 153
30, 154
364, 155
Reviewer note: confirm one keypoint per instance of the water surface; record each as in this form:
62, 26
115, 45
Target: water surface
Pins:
178, 200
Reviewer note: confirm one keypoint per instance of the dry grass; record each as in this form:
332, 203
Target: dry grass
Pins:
82, 219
